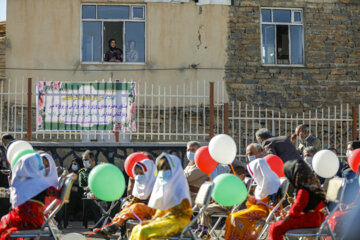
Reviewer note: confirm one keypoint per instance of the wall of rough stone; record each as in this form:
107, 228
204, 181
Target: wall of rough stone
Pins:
63, 153
332, 57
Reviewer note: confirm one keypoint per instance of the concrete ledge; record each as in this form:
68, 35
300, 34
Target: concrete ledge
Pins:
119, 144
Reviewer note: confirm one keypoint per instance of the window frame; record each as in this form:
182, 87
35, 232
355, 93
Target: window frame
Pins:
131, 19
292, 23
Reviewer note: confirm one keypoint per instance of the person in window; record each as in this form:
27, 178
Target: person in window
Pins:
114, 54
132, 55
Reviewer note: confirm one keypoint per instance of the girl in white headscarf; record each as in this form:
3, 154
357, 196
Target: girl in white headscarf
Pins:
28, 190
144, 173
50, 172
247, 223
171, 198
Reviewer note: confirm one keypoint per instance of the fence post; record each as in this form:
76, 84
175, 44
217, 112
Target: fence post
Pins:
354, 123
212, 110
29, 110
226, 118
116, 131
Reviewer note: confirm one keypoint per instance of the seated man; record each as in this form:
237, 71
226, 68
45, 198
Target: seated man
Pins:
204, 221
89, 163
194, 176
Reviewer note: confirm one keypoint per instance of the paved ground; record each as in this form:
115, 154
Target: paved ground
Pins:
77, 227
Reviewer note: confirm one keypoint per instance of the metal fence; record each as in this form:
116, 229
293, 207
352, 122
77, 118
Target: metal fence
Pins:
194, 111
334, 126
163, 113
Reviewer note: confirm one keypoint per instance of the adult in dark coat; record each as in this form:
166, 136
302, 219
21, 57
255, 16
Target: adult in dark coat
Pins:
280, 146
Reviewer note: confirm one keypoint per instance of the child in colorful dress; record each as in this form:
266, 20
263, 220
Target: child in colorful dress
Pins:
171, 198
306, 212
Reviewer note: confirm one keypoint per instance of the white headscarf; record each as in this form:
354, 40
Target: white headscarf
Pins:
166, 195
267, 181
143, 190
51, 177
27, 179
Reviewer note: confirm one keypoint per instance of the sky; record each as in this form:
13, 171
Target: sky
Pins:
2, 10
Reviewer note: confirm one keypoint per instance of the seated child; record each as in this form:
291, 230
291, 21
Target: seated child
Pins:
247, 223
144, 172
27, 195
171, 198
306, 211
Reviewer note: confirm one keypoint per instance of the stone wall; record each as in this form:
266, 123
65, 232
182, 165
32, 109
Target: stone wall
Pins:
332, 57
63, 153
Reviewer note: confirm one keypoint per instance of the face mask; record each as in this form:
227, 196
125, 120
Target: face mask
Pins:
348, 153
140, 179
165, 175
47, 170
87, 164
308, 159
251, 158
74, 167
190, 156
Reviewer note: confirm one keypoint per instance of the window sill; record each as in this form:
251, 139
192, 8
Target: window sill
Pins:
113, 63
283, 65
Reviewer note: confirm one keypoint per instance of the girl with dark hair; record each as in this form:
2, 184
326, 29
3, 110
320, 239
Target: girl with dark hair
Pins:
114, 54
306, 211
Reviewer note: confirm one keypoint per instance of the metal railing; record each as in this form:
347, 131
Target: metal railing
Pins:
163, 113
194, 111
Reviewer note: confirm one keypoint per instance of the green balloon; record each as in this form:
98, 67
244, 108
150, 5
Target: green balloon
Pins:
19, 155
229, 190
107, 182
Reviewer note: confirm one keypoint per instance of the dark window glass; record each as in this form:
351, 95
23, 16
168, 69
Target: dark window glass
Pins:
282, 16
92, 42
135, 41
113, 12
268, 44
282, 44
89, 11
138, 12
266, 15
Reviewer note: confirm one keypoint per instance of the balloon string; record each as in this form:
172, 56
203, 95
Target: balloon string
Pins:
232, 168
137, 217
210, 177
100, 229
267, 205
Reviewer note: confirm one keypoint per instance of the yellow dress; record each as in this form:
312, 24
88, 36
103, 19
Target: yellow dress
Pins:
164, 223
247, 224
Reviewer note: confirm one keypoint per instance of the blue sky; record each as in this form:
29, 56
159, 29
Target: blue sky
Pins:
2, 10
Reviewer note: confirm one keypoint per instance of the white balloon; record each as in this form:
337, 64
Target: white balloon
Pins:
222, 149
72, 236
325, 163
15, 147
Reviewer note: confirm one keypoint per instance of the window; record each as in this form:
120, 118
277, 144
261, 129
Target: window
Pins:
282, 36
113, 34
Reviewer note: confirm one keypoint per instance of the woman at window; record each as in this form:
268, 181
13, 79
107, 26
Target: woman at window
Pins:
114, 54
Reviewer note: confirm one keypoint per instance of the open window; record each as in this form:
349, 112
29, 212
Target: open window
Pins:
282, 36
113, 34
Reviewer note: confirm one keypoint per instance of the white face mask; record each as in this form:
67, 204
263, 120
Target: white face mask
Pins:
251, 158
87, 164
308, 159
348, 153
190, 156
74, 167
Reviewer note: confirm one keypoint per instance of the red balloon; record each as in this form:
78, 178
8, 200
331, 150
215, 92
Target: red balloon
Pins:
276, 164
354, 160
204, 161
131, 160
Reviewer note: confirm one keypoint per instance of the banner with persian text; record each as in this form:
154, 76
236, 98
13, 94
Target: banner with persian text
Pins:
69, 106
